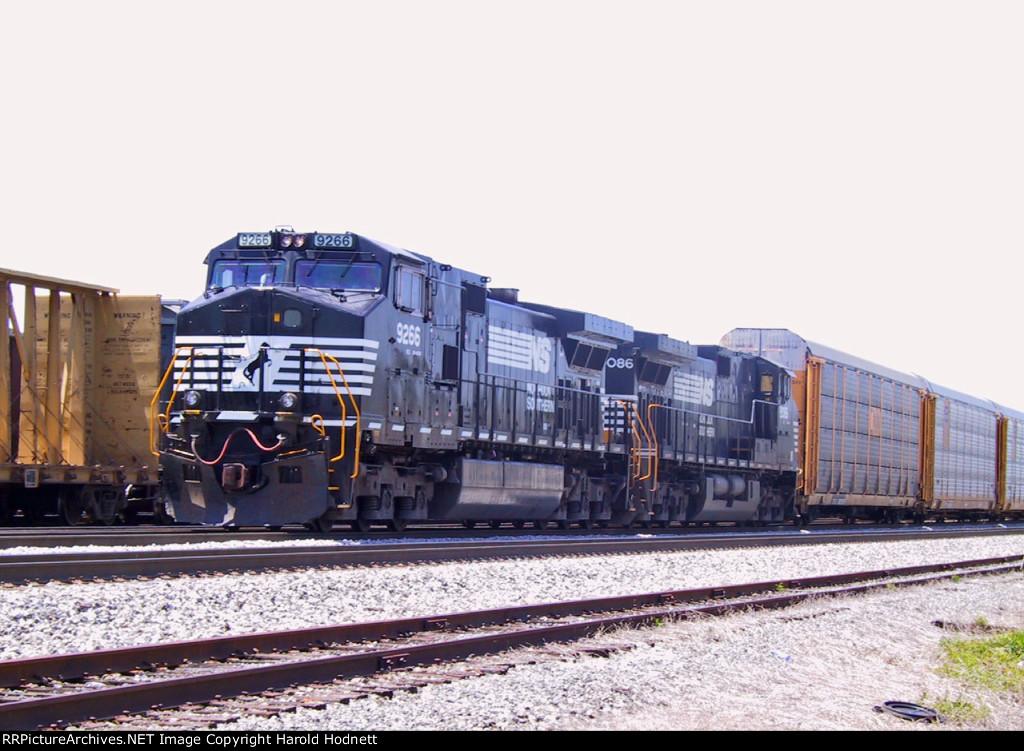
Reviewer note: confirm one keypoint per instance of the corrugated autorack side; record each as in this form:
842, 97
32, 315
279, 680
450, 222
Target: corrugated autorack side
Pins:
877, 443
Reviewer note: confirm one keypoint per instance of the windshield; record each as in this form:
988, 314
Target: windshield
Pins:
246, 273
334, 274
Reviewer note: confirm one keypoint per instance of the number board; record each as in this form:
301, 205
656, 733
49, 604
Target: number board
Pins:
254, 240
344, 241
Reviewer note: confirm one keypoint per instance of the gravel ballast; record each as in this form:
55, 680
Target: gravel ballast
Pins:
692, 659
821, 665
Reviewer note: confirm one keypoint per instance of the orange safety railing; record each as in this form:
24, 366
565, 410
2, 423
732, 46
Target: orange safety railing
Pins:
164, 419
324, 357
637, 452
161, 421
654, 436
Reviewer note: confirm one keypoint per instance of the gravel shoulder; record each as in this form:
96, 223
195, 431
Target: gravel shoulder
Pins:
820, 665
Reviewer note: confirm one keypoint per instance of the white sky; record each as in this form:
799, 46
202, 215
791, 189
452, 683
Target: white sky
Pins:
853, 171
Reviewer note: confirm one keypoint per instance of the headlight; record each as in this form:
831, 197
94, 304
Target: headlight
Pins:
288, 400
191, 399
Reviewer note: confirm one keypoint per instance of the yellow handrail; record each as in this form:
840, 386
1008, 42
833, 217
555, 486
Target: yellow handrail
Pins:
630, 407
341, 401
643, 427
654, 434
164, 419
324, 357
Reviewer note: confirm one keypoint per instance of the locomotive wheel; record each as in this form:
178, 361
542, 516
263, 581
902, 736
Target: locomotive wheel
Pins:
468, 523
319, 525
540, 524
109, 520
72, 508
587, 523
563, 524
397, 525
518, 524
494, 524
361, 525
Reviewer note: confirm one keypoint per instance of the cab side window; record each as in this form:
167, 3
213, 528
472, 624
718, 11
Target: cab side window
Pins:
408, 290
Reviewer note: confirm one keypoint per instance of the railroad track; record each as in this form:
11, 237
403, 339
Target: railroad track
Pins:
143, 562
136, 686
60, 537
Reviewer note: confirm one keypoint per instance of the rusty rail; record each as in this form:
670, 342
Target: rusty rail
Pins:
645, 609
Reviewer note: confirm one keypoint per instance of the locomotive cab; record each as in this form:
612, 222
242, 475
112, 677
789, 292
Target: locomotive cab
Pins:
270, 367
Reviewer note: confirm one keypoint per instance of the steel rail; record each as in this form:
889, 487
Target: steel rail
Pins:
11, 537
148, 563
655, 607
48, 537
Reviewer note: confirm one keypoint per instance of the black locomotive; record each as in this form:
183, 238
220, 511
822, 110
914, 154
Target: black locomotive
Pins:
330, 377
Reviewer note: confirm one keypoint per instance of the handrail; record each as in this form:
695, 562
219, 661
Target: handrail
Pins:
657, 447
633, 452
638, 452
164, 419
341, 401
643, 427
324, 357
741, 421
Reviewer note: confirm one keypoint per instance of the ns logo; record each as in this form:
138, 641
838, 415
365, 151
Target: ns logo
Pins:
541, 353
518, 349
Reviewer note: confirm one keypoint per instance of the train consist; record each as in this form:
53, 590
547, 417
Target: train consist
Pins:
327, 378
